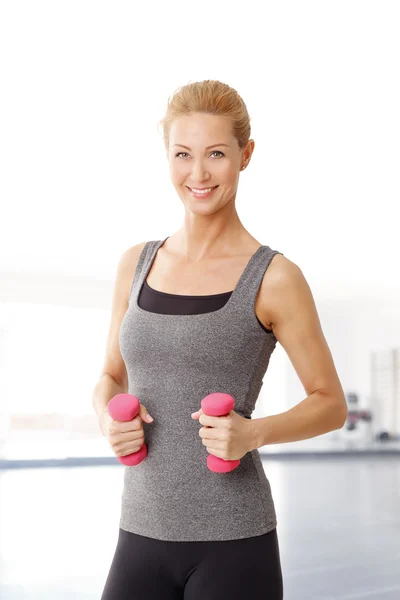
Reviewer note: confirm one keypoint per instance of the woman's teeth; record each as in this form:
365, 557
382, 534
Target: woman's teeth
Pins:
204, 191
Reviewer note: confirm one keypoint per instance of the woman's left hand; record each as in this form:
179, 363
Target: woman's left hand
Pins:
229, 437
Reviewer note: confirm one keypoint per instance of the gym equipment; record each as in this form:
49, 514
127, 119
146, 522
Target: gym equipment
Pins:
125, 407
219, 404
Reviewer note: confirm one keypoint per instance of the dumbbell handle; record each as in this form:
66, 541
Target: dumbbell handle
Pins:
125, 407
219, 404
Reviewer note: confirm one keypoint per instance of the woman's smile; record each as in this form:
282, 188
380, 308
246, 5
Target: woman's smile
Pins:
201, 194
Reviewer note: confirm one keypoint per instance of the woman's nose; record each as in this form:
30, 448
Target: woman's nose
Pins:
199, 171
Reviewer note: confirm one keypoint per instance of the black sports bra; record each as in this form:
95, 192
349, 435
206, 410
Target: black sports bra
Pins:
178, 304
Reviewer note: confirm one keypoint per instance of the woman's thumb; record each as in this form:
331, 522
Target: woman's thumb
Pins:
145, 415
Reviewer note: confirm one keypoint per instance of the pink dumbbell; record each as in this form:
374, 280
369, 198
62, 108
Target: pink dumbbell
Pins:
219, 405
125, 407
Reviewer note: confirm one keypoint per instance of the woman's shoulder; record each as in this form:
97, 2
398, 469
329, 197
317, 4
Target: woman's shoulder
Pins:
281, 270
129, 261
283, 279
133, 253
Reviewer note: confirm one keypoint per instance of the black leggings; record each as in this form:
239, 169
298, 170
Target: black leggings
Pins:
144, 568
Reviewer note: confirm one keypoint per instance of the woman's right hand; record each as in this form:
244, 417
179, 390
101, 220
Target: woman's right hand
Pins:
124, 437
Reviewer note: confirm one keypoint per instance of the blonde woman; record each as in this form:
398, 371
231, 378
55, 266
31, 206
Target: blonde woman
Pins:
201, 312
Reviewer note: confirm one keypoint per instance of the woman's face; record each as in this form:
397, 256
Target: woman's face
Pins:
203, 153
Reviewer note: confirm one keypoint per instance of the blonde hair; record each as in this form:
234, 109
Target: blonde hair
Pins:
212, 97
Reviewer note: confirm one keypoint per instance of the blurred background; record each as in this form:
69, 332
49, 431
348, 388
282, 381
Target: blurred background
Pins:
84, 176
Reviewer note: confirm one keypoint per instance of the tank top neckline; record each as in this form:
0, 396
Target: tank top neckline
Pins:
217, 312
201, 297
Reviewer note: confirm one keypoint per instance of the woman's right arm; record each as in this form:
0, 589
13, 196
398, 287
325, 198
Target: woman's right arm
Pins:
105, 389
113, 379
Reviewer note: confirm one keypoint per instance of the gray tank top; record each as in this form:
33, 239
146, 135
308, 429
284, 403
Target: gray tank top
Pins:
172, 362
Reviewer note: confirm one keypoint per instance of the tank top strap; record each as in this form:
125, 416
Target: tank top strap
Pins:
143, 264
245, 293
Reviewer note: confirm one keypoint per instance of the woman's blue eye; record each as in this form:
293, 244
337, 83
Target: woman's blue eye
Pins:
214, 152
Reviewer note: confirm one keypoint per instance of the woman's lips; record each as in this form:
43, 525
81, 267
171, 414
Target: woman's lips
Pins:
201, 194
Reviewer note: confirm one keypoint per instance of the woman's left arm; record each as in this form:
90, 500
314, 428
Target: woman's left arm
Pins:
296, 325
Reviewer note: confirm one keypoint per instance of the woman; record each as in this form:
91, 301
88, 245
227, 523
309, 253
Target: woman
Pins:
196, 313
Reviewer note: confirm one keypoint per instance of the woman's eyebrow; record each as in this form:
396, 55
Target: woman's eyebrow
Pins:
208, 147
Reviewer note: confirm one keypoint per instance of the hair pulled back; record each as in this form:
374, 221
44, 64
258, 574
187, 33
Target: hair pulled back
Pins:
212, 97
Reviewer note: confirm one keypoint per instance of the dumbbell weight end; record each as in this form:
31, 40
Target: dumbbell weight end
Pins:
125, 407
219, 404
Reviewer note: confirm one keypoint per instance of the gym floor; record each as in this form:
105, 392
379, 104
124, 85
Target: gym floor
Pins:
338, 528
